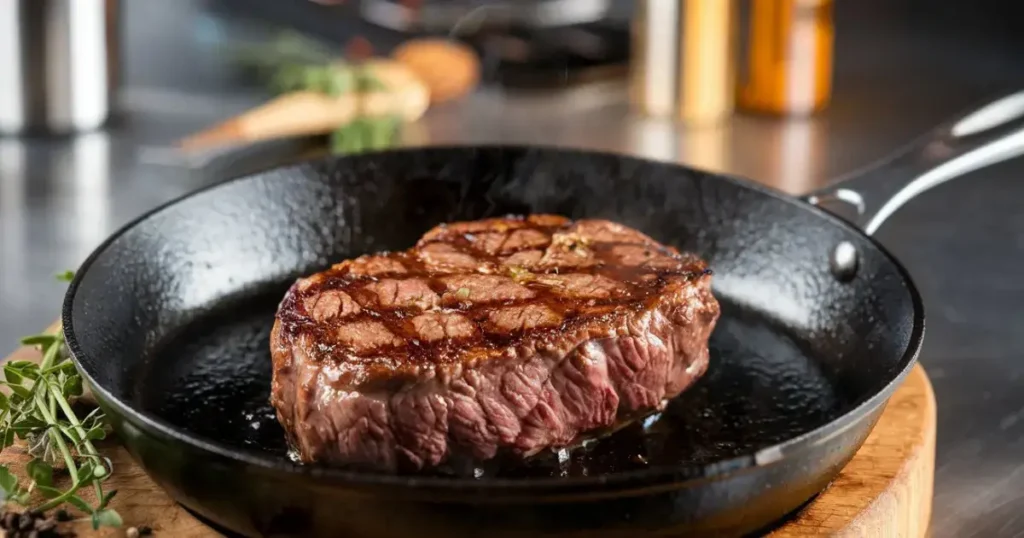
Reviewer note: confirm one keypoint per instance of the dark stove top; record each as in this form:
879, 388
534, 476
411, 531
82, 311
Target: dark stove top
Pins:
541, 57
536, 44
443, 16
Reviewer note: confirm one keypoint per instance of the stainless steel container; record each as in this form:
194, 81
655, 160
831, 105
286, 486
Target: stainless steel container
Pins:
683, 62
58, 65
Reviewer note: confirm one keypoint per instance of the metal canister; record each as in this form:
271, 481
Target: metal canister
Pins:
59, 64
683, 62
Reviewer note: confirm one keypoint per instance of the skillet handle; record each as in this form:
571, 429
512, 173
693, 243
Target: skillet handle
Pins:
988, 135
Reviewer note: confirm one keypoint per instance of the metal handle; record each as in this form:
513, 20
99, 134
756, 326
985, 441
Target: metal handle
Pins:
988, 135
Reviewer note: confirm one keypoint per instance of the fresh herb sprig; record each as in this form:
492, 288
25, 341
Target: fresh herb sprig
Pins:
293, 63
38, 410
333, 78
366, 134
336, 79
288, 48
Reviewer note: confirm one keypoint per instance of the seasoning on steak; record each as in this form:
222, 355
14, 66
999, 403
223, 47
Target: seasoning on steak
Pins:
507, 335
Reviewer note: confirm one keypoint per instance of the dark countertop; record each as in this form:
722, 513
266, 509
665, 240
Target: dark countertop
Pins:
963, 241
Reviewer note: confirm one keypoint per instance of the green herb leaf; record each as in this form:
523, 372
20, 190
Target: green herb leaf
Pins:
19, 391
94, 416
85, 473
106, 518
66, 276
97, 433
339, 81
23, 369
6, 438
72, 386
107, 498
12, 374
347, 139
381, 132
314, 79
9, 490
366, 81
44, 340
8, 482
62, 365
69, 433
49, 492
80, 504
288, 78
41, 472
28, 424
39, 411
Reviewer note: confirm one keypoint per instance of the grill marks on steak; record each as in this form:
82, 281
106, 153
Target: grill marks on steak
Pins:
483, 289
390, 293
512, 334
437, 326
514, 319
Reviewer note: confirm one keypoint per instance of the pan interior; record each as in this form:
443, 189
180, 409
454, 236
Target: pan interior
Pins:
762, 388
172, 316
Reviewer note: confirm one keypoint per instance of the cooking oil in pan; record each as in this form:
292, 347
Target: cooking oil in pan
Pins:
212, 378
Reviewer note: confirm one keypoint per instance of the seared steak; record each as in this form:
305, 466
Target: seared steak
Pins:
508, 335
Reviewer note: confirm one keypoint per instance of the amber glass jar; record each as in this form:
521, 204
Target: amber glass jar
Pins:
788, 68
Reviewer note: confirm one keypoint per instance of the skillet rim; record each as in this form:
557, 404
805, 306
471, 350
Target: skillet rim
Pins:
680, 475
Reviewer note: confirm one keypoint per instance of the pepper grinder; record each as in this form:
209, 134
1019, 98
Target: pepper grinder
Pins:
58, 65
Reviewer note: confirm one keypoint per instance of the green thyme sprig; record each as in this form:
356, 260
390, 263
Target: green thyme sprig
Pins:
321, 78
293, 63
38, 411
335, 79
366, 134
288, 49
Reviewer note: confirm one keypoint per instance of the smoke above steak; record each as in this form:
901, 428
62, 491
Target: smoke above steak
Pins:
499, 336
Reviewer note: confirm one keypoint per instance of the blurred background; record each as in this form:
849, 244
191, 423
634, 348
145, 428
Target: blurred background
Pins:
109, 109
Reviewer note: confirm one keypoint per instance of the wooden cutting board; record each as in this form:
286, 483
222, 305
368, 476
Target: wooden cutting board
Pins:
886, 490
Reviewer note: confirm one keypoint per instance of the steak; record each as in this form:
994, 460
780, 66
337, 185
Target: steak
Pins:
501, 336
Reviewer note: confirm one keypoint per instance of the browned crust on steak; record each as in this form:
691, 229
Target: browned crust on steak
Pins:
403, 342
363, 311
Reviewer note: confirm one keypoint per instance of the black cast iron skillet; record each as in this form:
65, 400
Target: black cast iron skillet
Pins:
169, 321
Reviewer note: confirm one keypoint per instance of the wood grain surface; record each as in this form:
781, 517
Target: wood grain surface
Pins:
885, 491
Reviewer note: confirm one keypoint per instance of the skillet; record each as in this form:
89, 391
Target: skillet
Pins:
168, 320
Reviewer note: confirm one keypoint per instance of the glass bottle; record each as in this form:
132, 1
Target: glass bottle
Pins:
788, 68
